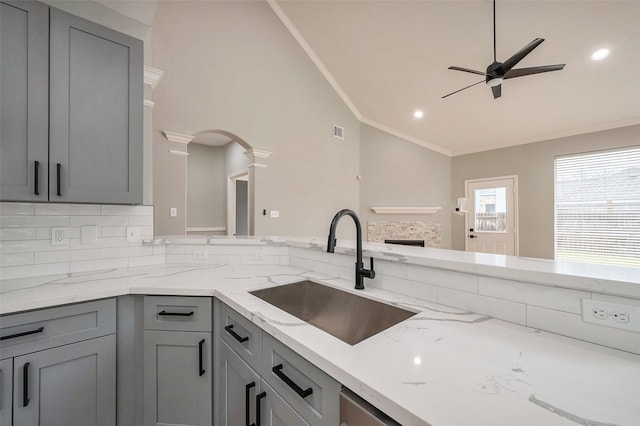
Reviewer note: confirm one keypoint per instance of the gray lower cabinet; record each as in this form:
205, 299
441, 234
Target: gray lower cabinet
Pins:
6, 387
73, 385
71, 108
178, 386
274, 411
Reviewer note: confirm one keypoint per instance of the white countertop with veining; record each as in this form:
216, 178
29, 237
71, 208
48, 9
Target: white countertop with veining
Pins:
441, 367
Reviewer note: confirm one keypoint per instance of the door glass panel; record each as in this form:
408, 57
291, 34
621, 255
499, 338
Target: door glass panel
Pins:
491, 210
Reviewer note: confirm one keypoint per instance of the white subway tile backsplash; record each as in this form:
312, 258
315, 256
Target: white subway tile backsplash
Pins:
33, 221
9, 209
394, 269
616, 299
410, 288
532, 294
17, 234
497, 308
146, 260
442, 278
572, 325
25, 238
16, 259
55, 209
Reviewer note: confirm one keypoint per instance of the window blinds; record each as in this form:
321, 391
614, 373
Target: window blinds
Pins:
597, 207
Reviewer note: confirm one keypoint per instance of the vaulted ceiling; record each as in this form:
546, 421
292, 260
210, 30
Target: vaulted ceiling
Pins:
389, 58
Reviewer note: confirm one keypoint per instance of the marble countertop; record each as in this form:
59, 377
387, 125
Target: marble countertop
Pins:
441, 367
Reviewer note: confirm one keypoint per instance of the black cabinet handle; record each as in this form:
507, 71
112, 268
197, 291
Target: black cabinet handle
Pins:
229, 329
175, 314
247, 402
293, 385
258, 398
36, 170
25, 333
25, 385
200, 360
58, 172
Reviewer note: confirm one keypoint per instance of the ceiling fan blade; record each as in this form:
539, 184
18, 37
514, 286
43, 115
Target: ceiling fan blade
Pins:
460, 90
518, 56
497, 91
467, 70
520, 72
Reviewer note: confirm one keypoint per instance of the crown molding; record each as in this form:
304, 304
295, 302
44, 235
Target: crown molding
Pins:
177, 137
256, 153
149, 103
417, 141
152, 76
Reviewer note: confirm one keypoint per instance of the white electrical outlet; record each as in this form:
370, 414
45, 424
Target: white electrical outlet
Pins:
275, 214
133, 234
59, 236
256, 254
174, 212
611, 314
200, 255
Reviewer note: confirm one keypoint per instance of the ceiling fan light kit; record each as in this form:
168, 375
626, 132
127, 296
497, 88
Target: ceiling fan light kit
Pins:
497, 72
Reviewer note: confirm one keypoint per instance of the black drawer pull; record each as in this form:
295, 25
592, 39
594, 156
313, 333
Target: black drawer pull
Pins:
229, 329
258, 398
25, 385
200, 360
293, 385
247, 402
25, 333
175, 314
58, 173
36, 170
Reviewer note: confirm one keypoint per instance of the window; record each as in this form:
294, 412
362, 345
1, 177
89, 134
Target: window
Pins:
598, 207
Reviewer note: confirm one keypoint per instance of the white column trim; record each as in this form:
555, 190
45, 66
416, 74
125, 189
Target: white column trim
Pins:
152, 76
256, 153
149, 103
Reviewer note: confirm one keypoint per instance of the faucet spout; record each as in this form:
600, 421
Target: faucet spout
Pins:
361, 272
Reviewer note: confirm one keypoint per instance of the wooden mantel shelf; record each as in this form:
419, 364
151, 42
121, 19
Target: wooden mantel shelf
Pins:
406, 210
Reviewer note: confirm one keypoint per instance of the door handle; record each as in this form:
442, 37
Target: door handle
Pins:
303, 393
473, 236
200, 360
258, 398
25, 384
175, 314
36, 170
229, 329
247, 402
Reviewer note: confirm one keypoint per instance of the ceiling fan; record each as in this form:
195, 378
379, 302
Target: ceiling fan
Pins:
497, 72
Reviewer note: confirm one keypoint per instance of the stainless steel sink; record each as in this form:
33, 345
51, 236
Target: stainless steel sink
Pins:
348, 317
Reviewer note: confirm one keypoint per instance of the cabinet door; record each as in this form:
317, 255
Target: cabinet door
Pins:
6, 386
24, 101
73, 385
238, 385
274, 411
177, 378
96, 79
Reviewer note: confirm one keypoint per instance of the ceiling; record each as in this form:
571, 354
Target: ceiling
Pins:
389, 58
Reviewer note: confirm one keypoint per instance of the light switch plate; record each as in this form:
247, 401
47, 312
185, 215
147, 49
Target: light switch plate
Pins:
275, 214
88, 234
59, 236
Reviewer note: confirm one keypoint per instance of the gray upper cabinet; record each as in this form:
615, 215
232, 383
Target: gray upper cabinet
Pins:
72, 102
96, 79
24, 101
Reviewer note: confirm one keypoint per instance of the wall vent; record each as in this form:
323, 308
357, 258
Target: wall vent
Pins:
338, 132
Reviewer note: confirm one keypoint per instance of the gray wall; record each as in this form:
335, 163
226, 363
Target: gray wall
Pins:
206, 186
234, 66
534, 165
397, 173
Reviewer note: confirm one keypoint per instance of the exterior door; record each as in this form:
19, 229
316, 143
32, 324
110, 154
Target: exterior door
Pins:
491, 224
177, 378
72, 385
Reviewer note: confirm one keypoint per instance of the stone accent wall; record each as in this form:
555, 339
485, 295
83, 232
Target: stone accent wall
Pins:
430, 232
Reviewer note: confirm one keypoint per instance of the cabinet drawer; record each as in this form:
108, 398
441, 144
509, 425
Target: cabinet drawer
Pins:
243, 336
292, 376
48, 328
177, 313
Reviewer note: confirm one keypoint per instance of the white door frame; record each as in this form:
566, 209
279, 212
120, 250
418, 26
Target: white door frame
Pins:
515, 209
231, 199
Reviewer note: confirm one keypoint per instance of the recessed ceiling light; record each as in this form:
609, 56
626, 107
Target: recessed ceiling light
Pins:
418, 113
600, 54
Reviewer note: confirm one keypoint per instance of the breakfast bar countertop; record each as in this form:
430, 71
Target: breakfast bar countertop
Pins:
441, 367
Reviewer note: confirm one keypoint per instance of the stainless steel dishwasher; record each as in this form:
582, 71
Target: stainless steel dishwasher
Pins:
355, 411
